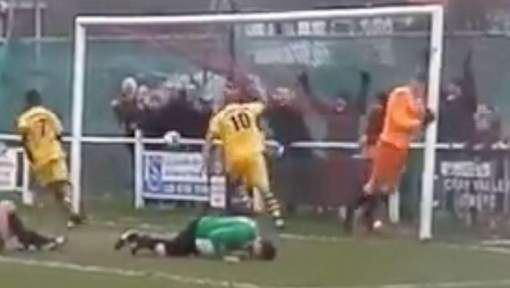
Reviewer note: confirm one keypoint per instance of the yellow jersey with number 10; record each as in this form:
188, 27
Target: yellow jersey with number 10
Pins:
41, 128
236, 125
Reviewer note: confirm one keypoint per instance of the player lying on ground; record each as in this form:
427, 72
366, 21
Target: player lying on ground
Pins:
40, 130
405, 116
13, 229
236, 125
231, 238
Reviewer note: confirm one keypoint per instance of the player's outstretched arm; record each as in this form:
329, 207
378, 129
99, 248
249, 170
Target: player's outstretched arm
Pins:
56, 123
25, 148
22, 127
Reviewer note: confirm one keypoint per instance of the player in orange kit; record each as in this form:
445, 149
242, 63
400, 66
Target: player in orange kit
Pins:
236, 125
368, 143
405, 116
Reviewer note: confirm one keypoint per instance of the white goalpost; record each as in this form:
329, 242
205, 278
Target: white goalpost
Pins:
82, 23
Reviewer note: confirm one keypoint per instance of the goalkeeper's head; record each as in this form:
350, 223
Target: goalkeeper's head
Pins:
33, 98
263, 249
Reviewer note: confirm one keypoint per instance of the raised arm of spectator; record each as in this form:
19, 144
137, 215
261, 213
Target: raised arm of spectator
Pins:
304, 83
361, 100
22, 129
468, 85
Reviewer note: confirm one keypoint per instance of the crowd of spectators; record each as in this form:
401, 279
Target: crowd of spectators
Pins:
161, 108
183, 107
464, 117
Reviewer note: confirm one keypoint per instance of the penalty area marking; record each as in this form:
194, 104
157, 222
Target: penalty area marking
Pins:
225, 283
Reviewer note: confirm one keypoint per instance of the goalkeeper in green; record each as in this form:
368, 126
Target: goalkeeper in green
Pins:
229, 238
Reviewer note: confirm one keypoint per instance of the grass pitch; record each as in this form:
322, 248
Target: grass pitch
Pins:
312, 253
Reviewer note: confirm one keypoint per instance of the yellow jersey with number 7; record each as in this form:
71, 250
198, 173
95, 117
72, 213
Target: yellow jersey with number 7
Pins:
236, 125
40, 129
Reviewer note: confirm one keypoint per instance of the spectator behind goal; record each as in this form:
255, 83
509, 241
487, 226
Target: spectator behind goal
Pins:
125, 106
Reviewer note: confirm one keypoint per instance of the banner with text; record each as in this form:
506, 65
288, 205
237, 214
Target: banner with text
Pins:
470, 181
472, 176
8, 170
179, 176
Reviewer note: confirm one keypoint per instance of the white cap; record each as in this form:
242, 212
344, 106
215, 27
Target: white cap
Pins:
129, 84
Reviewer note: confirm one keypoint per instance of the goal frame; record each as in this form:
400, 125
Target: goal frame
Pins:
436, 13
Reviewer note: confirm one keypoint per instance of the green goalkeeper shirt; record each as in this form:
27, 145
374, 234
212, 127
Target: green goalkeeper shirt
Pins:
216, 235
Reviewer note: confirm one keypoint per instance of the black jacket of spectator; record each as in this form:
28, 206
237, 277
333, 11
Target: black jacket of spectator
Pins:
126, 113
287, 124
456, 114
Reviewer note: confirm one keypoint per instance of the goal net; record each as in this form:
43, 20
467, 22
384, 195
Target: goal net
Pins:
137, 77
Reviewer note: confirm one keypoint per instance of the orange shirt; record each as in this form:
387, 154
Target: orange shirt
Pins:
403, 118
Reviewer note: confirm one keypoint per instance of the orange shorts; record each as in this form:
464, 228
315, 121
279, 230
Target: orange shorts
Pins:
387, 167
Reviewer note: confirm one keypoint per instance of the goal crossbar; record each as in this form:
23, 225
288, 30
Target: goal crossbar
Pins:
256, 17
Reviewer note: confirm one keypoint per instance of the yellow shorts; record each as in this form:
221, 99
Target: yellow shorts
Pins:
251, 170
52, 172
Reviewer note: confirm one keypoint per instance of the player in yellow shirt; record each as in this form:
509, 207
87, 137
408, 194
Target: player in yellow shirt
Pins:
236, 125
40, 130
